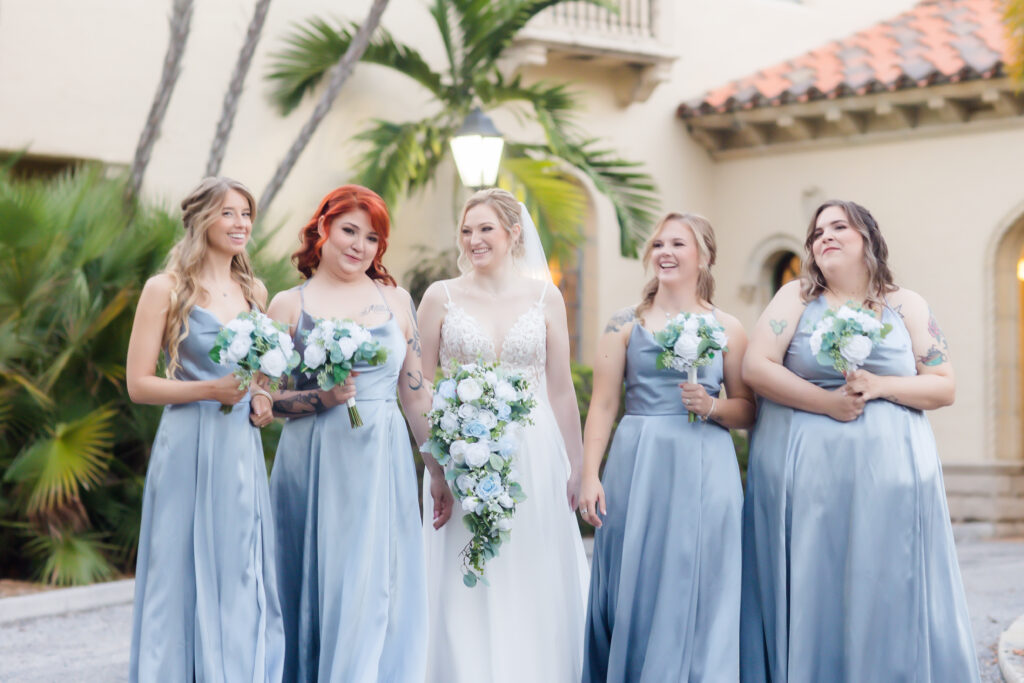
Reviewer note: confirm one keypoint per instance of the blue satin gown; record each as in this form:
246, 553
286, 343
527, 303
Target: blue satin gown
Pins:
350, 558
849, 568
665, 581
206, 602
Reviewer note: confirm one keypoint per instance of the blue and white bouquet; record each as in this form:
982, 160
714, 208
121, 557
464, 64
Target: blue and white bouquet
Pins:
843, 339
256, 344
476, 412
689, 341
333, 347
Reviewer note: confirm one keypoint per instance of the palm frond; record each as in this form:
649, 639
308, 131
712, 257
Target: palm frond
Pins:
314, 47
555, 199
1013, 19
70, 558
72, 457
402, 157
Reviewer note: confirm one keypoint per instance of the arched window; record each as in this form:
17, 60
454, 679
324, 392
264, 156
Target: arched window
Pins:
787, 267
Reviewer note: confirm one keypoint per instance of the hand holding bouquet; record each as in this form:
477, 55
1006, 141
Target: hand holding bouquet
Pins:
254, 343
689, 341
473, 420
843, 339
333, 347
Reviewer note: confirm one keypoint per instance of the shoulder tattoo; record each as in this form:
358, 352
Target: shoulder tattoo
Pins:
620, 319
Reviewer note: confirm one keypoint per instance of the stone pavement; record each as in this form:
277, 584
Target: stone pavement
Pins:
92, 645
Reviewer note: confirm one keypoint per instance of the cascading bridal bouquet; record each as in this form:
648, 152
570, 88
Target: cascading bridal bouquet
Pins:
690, 341
256, 344
475, 414
843, 339
333, 347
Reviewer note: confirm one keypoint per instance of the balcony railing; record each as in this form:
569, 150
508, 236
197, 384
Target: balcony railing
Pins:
635, 19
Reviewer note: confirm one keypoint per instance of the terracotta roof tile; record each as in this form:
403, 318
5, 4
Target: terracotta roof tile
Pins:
937, 41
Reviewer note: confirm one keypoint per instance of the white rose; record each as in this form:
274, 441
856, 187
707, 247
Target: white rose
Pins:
449, 422
718, 336
691, 325
505, 500
314, 356
468, 412
504, 391
490, 377
465, 483
273, 363
347, 346
816, 340
470, 504
477, 454
361, 335
469, 389
458, 451
286, 343
438, 403
238, 348
241, 326
504, 524
488, 419
846, 313
869, 323
686, 348
856, 349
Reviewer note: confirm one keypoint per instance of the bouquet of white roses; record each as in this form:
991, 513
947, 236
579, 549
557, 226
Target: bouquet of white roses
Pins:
843, 339
474, 416
689, 341
333, 347
256, 344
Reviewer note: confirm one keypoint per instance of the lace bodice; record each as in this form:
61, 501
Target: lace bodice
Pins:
523, 349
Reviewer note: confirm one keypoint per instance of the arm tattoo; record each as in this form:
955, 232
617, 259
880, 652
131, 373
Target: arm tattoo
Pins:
299, 404
626, 315
936, 332
934, 356
414, 341
415, 380
778, 326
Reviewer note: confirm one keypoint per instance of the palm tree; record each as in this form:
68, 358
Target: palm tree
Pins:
231, 97
181, 20
1013, 17
340, 69
402, 157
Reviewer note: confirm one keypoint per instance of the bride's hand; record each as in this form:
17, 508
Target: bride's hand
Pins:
443, 500
591, 497
572, 489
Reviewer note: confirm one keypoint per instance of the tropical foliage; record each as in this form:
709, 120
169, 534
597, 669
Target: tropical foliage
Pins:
1013, 17
403, 156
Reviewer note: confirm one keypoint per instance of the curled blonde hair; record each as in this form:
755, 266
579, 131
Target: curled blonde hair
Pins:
507, 208
876, 254
706, 252
200, 210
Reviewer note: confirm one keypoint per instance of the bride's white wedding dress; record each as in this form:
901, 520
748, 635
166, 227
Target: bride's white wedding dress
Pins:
527, 625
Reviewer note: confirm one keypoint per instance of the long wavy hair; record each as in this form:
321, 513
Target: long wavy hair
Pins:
200, 210
507, 208
337, 202
706, 252
876, 255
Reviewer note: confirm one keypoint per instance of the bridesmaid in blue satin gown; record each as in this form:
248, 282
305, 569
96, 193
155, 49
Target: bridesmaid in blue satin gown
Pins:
206, 603
849, 568
350, 559
665, 583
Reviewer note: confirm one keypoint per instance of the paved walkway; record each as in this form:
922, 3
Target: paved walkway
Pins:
92, 646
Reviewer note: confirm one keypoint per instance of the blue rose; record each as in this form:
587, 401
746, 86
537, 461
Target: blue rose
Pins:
506, 445
476, 429
447, 388
503, 410
489, 486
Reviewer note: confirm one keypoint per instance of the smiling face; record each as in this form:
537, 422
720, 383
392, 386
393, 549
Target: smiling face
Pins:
674, 254
231, 230
351, 243
485, 242
835, 243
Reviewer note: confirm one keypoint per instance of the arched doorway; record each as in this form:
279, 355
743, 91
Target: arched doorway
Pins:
772, 263
1007, 369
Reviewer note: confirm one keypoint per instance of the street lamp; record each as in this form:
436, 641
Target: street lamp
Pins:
476, 148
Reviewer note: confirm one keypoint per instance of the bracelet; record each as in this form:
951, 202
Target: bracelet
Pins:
710, 410
257, 391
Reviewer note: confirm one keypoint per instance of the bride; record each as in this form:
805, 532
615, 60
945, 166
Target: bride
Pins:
527, 625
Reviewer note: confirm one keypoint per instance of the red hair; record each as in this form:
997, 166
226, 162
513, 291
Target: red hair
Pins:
337, 202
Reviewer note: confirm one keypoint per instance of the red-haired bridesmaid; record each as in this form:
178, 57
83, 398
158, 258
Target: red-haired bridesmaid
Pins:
350, 559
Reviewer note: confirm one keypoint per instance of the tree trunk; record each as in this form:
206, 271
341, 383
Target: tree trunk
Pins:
230, 107
338, 75
181, 19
